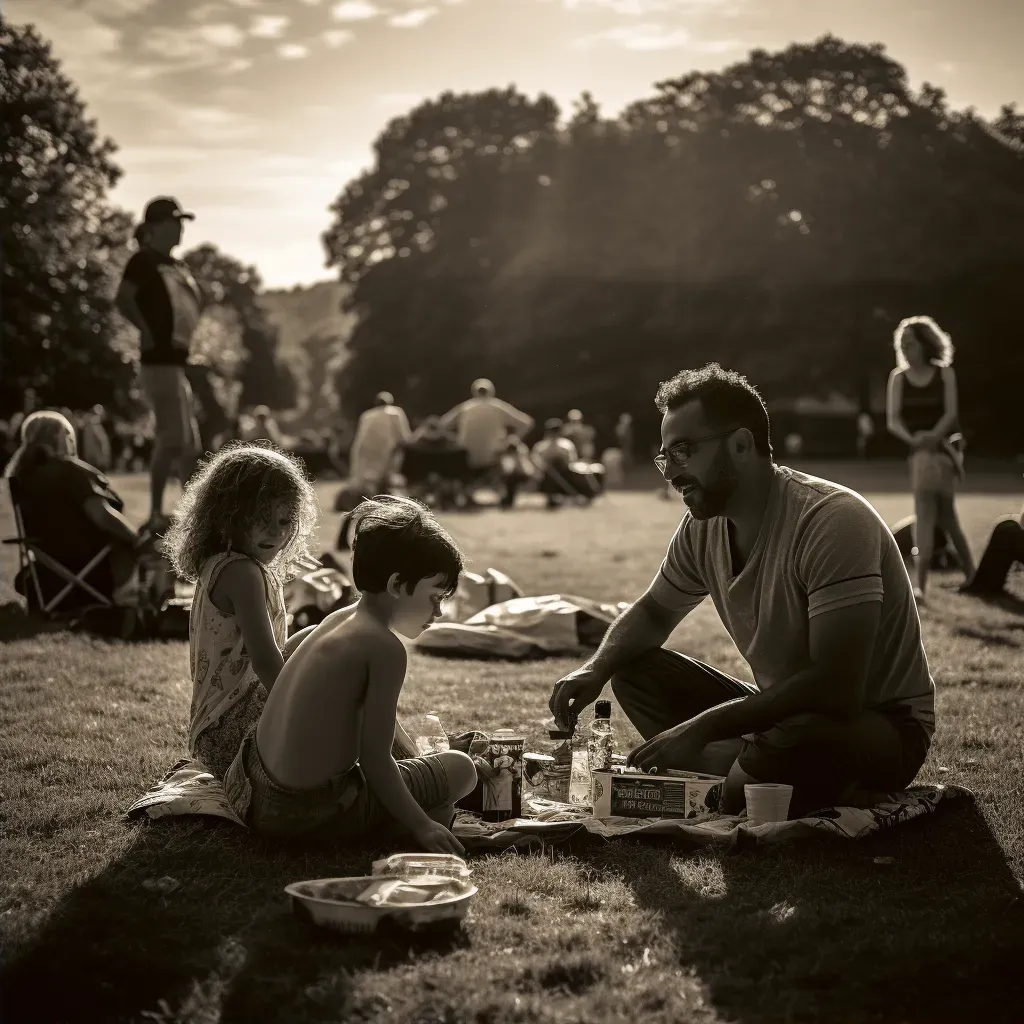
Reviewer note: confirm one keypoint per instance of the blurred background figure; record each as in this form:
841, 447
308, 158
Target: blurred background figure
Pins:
376, 447
516, 468
94, 440
263, 427
581, 434
563, 475
434, 466
624, 439
921, 409
481, 426
865, 431
159, 296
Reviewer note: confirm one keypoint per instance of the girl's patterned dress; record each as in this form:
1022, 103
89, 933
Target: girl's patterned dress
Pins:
227, 695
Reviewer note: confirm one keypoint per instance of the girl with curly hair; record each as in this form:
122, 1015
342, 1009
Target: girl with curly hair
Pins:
921, 409
241, 528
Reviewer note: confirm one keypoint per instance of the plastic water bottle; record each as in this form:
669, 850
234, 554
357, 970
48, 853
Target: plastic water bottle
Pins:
579, 773
431, 737
601, 743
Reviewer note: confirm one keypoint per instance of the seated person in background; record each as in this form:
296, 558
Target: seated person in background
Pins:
516, 467
581, 434
433, 464
72, 514
1005, 546
319, 764
562, 475
263, 427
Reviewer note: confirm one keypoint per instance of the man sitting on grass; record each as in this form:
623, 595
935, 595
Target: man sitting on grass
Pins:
319, 763
808, 581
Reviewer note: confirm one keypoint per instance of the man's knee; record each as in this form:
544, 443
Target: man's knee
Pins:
461, 773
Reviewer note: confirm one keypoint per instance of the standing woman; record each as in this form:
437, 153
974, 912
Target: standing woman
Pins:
921, 409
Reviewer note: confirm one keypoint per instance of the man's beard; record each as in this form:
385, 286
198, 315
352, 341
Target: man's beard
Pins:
711, 498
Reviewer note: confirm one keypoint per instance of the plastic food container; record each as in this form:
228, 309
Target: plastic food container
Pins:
409, 865
334, 903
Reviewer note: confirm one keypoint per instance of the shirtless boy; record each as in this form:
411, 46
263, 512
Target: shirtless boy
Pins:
320, 760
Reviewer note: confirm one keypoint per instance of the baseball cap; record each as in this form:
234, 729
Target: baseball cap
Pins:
165, 208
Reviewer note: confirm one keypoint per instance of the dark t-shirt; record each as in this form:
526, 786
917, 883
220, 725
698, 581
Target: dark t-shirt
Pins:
170, 300
53, 497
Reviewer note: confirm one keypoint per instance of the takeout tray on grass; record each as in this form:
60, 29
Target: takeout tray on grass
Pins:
332, 903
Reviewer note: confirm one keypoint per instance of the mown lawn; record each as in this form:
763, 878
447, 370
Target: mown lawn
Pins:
594, 932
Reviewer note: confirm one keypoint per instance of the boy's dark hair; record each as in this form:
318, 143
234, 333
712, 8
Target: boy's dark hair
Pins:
728, 399
399, 535
228, 495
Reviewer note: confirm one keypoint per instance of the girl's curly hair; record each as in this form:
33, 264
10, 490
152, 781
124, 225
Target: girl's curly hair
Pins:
228, 495
936, 343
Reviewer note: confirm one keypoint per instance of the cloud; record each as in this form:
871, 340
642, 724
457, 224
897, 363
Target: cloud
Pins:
244, 3
412, 19
642, 7
292, 51
114, 9
236, 66
337, 36
652, 36
269, 26
224, 35
355, 10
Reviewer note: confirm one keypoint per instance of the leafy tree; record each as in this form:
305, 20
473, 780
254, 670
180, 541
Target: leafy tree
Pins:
234, 288
61, 243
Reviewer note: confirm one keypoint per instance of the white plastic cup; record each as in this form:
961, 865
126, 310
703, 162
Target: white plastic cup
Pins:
767, 801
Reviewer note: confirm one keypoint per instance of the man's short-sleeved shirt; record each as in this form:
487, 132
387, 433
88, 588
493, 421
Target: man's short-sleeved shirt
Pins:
53, 494
821, 547
171, 302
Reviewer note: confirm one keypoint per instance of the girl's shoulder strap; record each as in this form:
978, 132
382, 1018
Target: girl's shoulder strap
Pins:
214, 565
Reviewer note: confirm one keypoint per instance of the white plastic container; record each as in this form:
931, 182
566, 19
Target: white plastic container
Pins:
332, 903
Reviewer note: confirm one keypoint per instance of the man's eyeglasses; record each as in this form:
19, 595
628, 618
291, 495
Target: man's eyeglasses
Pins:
679, 454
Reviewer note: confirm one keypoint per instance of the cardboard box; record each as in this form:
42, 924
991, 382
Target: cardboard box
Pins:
675, 794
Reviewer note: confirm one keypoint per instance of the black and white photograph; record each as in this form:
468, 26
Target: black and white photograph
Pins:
511, 512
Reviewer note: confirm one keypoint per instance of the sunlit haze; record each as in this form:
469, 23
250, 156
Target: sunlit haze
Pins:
254, 113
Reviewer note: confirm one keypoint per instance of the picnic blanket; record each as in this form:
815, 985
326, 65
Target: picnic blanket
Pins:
190, 788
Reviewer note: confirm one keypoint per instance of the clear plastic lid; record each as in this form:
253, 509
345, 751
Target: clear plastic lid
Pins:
406, 865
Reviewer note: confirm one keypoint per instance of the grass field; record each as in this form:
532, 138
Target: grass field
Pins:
594, 932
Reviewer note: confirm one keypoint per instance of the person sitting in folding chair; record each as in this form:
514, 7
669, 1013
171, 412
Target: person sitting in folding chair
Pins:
562, 474
76, 548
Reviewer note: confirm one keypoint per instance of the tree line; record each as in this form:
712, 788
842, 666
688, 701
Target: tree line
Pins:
781, 216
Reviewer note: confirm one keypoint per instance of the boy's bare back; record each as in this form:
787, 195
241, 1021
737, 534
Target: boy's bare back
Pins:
311, 727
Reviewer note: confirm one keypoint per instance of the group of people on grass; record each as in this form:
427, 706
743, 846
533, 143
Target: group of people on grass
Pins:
303, 730
477, 443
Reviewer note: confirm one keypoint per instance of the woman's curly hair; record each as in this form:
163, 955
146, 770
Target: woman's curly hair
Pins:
226, 498
937, 345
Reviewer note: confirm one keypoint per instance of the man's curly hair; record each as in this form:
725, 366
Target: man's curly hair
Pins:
228, 496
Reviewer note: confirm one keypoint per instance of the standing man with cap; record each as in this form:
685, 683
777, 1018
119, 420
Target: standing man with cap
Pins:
160, 297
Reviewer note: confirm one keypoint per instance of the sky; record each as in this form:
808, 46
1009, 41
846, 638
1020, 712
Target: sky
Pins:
255, 113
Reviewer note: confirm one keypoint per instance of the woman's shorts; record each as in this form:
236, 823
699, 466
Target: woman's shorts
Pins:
932, 473
344, 808
170, 397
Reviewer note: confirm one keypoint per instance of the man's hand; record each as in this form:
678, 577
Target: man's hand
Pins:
678, 747
435, 838
573, 693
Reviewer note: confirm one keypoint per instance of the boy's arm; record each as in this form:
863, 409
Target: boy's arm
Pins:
387, 663
241, 584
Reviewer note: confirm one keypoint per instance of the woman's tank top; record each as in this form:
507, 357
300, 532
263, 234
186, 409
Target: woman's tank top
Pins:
923, 407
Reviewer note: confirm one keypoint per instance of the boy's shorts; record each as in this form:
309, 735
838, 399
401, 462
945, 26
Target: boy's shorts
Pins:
344, 807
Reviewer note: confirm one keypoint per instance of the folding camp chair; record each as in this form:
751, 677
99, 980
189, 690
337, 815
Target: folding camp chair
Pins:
31, 556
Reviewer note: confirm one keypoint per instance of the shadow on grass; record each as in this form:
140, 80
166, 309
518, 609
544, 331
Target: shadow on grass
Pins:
223, 946
820, 931
17, 624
